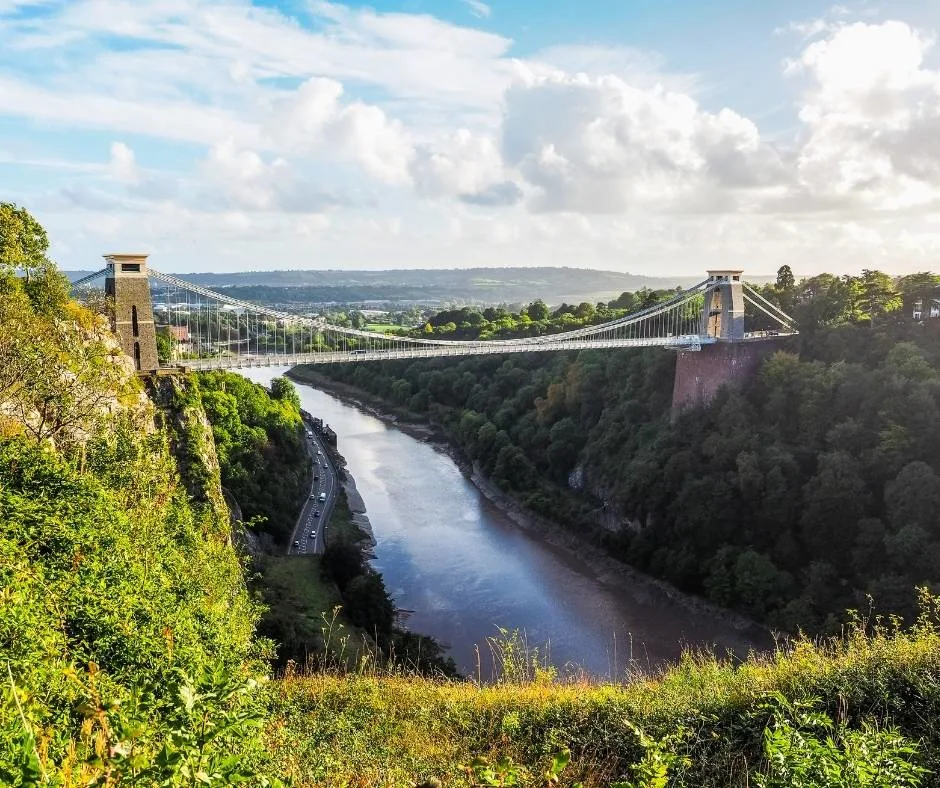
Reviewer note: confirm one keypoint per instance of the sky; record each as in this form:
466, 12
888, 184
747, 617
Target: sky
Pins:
629, 135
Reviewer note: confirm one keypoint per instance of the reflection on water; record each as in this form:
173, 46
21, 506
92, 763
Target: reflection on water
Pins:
464, 569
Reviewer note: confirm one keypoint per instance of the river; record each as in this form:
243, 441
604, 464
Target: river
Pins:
464, 569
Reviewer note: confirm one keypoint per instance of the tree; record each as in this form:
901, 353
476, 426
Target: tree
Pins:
342, 561
913, 498
284, 391
827, 300
164, 346
566, 441
785, 279
537, 310
918, 285
625, 300
584, 310
877, 295
368, 604
833, 502
23, 241
785, 287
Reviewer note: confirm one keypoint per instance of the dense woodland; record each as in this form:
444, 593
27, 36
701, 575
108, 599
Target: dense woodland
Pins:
813, 487
259, 440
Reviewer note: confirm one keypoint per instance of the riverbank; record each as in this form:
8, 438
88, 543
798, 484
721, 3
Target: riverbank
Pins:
594, 561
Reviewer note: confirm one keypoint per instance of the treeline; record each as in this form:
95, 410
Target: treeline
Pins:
533, 319
792, 499
259, 440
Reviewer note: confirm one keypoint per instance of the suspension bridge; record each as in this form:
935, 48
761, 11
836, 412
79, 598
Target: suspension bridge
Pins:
208, 329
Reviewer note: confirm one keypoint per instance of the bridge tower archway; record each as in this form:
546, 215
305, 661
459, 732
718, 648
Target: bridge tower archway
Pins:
127, 283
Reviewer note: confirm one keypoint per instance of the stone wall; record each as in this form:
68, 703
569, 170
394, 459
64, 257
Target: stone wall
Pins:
700, 374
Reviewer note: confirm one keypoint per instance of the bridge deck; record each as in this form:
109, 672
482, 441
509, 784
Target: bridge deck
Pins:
476, 349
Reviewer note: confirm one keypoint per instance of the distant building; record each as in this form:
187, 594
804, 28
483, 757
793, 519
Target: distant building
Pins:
925, 308
182, 342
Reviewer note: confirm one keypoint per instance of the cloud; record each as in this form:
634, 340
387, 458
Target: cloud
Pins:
138, 183
478, 8
123, 166
811, 28
504, 193
313, 118
640, 68
242, 180
871, 113
460, 163
605, 146
317, 125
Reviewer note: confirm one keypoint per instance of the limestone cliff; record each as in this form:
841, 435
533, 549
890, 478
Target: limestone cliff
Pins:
180, 412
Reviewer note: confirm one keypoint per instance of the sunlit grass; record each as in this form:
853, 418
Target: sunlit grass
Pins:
374, 726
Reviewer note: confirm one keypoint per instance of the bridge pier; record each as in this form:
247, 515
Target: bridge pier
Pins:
729, 361
700, 374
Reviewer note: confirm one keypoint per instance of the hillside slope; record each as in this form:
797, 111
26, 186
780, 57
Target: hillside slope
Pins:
127, 644
861, 712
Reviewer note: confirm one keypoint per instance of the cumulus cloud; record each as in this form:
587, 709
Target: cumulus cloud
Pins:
123, 164
602, 145
123, 169
577, 144
872, 118
461, 163
504, 193
242, 180
313, 118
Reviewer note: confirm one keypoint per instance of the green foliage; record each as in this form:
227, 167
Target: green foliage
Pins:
23, 241
534, 319
659, 762
259, 440
178, 733
165, 346
111, 585
127, 649
705, 723
503, 771
804, 748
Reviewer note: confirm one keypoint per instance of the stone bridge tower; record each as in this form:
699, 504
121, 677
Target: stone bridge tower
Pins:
128, 284
732, 359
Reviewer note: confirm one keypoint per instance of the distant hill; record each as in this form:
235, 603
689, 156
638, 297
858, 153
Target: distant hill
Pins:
468, 285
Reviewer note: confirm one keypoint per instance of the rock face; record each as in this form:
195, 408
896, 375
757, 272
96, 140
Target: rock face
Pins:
180, 410
607, 515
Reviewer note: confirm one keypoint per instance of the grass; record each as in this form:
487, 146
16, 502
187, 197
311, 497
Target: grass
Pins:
376, 728
296, 595
382, 327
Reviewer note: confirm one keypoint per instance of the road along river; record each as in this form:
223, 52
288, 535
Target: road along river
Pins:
464, 568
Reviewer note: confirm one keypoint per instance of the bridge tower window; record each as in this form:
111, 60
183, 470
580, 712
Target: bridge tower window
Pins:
134, 321
137, 354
